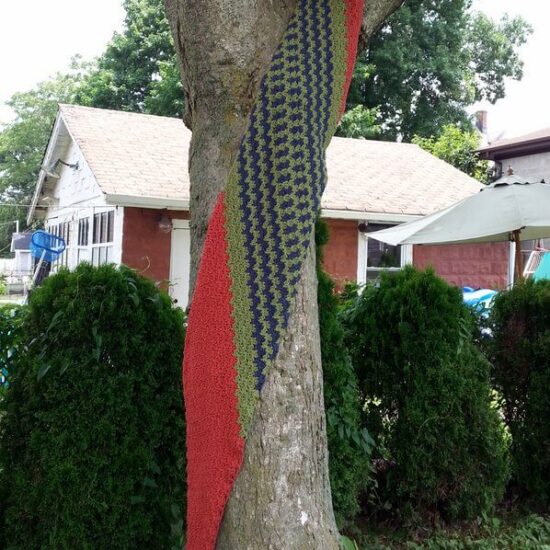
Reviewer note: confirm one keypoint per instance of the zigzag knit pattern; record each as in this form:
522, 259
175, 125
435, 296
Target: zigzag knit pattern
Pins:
255, 247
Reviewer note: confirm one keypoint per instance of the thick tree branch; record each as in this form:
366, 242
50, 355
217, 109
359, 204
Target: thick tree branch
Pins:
376, 13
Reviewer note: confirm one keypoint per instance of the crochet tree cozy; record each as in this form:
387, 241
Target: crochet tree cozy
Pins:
256, 243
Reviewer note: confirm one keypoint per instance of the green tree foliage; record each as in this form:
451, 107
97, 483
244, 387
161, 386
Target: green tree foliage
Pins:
11, 336
92, 431
428, 399
457, 147
138, 70
22, 142
431, 60
521, 358
349, 445
358, 120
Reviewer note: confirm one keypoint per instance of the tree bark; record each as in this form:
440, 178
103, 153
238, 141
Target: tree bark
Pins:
376, 13
281, 499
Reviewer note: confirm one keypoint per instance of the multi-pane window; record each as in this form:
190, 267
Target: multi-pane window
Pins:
62, 230
103, 227
102, 237
381, 256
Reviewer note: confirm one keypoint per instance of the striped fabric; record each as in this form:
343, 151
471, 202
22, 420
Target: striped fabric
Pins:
255, 246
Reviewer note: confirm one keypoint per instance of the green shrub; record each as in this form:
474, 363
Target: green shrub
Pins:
428, 399
521, 358
11, 318
92, 433
349, 445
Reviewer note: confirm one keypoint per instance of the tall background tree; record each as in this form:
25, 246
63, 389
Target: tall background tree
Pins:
420, 72
138, 70
22, 145
433, 59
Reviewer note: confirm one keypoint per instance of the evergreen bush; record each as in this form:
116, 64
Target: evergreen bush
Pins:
440, 442
11, 319
521, 359
349, 444
92, 427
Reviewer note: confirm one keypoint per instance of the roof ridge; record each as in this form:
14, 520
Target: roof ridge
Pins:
385, 142
74, 106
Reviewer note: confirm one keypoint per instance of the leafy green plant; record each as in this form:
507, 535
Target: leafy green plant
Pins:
457, 147
348, 544
11, 318
440, 444
350, 445
92, 430
531, 533
521, 357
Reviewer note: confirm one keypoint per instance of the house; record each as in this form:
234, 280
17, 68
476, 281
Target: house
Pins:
527, 156
115, 185
17, 271
23, 262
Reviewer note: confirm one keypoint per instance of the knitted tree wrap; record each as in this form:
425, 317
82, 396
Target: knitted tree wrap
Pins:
255, 247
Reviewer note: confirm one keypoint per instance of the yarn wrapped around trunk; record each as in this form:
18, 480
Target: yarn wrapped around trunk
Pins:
256, 243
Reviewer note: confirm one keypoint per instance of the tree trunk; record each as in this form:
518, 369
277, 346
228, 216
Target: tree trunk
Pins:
281, 498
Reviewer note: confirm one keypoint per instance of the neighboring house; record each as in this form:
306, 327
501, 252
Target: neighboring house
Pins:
17, 271
23, 263
527, 156
115, 185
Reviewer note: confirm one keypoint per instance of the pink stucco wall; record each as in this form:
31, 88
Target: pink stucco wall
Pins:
475, 265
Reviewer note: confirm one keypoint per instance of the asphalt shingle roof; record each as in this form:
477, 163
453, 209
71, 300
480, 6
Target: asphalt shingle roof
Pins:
145, 156
539, 135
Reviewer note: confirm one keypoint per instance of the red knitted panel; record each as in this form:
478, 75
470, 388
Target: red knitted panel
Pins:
354, 17
214, 445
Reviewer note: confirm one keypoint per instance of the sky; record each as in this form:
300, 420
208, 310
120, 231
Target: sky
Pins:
526, 107
39, 37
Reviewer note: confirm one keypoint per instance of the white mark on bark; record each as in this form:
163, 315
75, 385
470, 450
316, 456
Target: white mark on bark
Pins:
303, 518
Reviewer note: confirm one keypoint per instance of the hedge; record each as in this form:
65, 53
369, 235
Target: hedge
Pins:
92, 430
441, 450
521, 357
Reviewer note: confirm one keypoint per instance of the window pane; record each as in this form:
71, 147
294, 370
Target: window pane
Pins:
380, 254
102, 255
95, 256
110, 226
97, 228
83, 232
104, 228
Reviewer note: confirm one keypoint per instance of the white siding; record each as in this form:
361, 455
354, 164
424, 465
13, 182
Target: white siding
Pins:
76, 195
531, 167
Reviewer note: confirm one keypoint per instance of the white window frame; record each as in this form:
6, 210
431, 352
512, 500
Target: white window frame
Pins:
85, 249
64, 258
363, 252
108, 246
